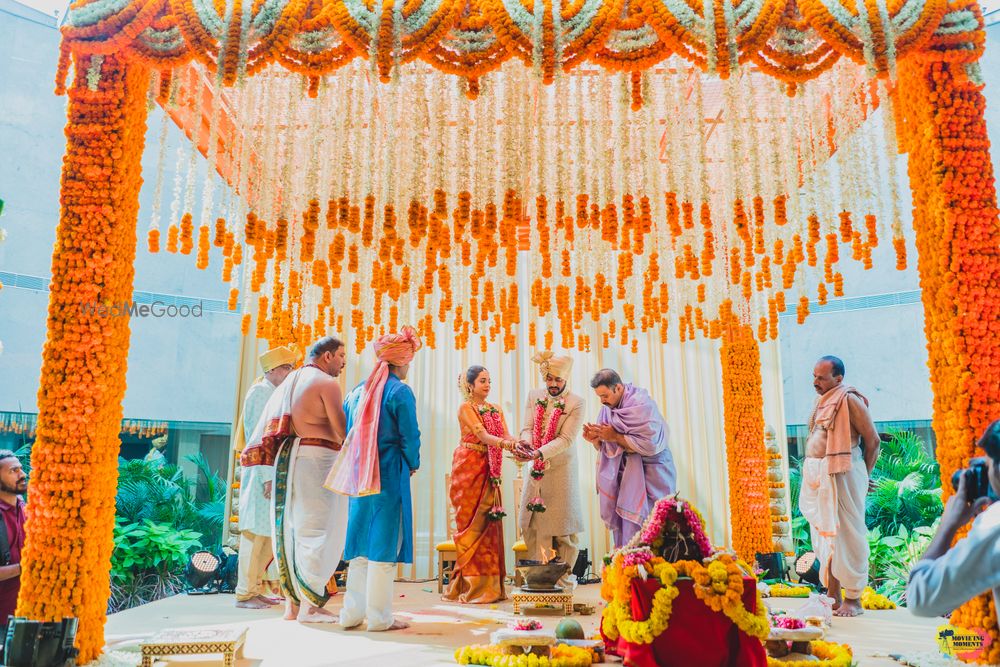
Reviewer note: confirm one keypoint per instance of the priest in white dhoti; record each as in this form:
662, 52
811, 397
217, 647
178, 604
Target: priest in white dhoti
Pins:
551, 512
299, 435
841, 452
255, 552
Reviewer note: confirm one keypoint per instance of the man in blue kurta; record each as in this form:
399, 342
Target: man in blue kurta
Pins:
380, 525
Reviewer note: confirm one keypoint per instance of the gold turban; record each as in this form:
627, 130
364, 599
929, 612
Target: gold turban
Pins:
279, 356
549, 364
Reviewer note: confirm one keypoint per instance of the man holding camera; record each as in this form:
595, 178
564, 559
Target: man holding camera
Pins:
841, 452
945, 578
13, 483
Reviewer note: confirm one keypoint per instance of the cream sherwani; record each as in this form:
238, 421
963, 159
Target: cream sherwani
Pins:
256, 525
559, 488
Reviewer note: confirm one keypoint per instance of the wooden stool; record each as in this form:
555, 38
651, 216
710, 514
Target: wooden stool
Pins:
228, 642
565, 600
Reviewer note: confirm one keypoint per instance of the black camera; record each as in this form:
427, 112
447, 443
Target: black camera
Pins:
977, 480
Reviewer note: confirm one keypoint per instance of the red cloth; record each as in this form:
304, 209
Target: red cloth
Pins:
696, 635
13, 518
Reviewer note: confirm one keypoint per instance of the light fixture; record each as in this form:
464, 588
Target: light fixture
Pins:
807, 567
202, 570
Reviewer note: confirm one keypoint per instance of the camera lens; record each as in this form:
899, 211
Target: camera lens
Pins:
956, 477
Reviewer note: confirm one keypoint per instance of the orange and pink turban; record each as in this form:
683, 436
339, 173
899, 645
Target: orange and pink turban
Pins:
356, 473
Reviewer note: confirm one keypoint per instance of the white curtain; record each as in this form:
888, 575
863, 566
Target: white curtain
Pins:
684, 379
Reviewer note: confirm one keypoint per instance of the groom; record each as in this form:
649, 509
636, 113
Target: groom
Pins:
635, 468
551, 513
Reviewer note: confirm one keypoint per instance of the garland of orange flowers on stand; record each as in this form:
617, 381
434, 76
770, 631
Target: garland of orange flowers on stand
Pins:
749, 495
957, 235
718, 584
66, 561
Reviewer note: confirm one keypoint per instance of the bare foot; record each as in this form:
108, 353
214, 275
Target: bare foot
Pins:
849, 609
311, 614
270, 602
834, 592
252, 603
397, 625
291, 611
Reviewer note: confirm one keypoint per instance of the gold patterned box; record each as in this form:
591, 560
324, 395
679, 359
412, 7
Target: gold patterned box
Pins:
196, 641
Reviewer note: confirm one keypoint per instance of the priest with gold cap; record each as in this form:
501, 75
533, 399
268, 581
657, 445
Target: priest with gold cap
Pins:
255, 553
551, 513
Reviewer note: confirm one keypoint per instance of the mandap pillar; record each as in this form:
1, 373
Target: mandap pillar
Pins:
66, 560
746, 453
943, 129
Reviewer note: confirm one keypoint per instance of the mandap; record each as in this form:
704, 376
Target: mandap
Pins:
505, 172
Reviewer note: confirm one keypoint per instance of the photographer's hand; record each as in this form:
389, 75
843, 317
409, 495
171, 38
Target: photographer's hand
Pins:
957, 512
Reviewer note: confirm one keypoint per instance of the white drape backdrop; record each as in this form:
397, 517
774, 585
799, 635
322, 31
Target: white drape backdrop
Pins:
685, 379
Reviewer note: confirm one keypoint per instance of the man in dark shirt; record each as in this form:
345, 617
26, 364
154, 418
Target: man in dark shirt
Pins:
13, 483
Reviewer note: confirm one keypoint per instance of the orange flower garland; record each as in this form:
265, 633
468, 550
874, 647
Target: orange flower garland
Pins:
955, 219
66, 560
749, 496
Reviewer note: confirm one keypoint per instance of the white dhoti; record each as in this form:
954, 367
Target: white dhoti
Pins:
369, 594
310, 524
834, 505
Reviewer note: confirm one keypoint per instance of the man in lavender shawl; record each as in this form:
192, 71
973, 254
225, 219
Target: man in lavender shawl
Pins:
636, 468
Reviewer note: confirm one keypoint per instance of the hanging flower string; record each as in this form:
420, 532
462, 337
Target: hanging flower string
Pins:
539, 440
493, 422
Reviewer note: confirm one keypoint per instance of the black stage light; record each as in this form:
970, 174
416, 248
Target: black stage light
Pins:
202, 571
581, 565
807, 567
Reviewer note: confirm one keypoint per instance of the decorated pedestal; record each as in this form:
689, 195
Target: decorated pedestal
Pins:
525, 638
790, 639
526, 644
229, 642
674, 601
521, 597
540, 586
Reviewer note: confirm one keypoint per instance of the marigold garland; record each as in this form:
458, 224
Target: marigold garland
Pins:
828, 654
719, 585
66, 561
955, 219
749, 497
562, 656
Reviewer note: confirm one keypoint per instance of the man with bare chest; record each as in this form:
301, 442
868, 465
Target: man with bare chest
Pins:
841, 452
302, 430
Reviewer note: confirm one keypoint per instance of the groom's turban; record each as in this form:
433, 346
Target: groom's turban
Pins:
549, 364
398, 349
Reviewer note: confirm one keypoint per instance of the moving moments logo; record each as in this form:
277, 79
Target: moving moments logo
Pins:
132, 309
962, 643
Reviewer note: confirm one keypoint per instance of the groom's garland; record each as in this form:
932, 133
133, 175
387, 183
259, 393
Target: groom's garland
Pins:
491, 419
538, 440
